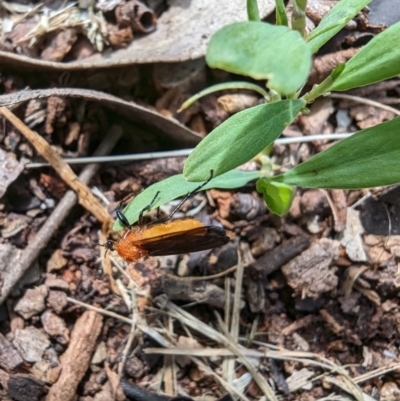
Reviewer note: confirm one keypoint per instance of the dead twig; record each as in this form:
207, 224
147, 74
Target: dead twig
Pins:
76, 359
157, 337
85, 196
229, 370
135, 314
368, 102
42, 238
280, 255
185, 318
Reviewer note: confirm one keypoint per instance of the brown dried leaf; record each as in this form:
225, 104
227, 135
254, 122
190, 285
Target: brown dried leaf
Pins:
183, 32
10, 169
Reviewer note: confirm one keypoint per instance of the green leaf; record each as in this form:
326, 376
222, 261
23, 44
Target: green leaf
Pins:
280, 13
379, 59
369, 158
252, 10
176, 186
262, 51
240, 138
277, 196
335, 74
334, 21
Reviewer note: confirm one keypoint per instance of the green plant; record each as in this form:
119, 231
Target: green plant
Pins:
282, 56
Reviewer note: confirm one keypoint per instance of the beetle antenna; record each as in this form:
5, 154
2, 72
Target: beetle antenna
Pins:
188, 195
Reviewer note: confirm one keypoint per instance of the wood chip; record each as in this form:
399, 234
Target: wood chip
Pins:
31, 343
24, 387
352, 239
32, 303
309, 274
10, 169
55, 327
10, 359
76, 359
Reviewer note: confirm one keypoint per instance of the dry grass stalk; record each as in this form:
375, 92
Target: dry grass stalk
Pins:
234, 328
214, 335
92, 24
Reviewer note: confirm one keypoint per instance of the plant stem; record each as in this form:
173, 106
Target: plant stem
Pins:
280, 13
252, 10
224, 86
299, 16
319, 90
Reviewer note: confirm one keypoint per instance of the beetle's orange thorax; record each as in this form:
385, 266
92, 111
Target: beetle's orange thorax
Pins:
128, 247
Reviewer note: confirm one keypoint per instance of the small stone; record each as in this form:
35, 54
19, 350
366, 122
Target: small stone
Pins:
352, 239
57, 283
310, 274
393, 245
32, 303
68, 276
42, 370
23, 387
31, 343
134, 367
10, 358
14, 224
9, 171
186, 342
51, 355
57, 300
100, 354
196, 374
390, 391
101, 287
56, 261
55, 327
314, 202
267, 238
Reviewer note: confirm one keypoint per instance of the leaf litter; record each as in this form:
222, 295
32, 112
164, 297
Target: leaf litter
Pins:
273, 330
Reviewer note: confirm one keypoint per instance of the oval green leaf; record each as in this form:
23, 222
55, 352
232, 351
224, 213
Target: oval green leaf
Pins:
376, 61
262, 51
176, 186
240, 138
277, 196
369, 158
334, 21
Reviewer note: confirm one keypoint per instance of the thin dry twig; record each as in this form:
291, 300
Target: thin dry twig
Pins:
76, 359
305, 358
377, 372
165, 343
363, 100
202, 278
99, 310
135, 314
234, 327
169, 376
58, 216
201, 327
227, 365
85, 196
234, 331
